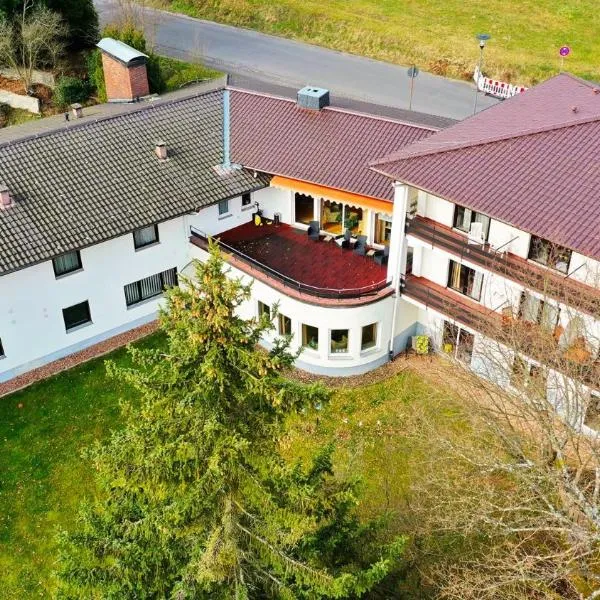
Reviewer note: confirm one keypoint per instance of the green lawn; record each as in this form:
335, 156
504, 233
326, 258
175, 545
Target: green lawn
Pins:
437, 36
177, 73
44, 428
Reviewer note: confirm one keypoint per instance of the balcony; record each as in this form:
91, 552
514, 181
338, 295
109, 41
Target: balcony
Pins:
522, 336
285, 258
568, 291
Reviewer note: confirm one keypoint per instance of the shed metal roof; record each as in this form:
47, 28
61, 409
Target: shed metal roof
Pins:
120, 50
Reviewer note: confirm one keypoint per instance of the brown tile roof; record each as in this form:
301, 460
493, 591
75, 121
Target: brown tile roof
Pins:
331, 147
532, 161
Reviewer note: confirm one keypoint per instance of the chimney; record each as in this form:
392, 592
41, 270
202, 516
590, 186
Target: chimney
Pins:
5, 199
124, 71
77, 110
161, 150
313, 98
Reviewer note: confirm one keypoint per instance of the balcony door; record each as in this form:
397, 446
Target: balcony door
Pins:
304, 208
465, 280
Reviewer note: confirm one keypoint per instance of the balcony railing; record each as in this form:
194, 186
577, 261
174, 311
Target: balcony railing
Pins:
560, 287
200, 239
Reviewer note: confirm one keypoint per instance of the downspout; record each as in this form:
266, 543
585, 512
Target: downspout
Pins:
399, 217
226, 126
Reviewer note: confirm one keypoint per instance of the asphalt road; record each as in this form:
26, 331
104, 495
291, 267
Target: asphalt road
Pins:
280, 61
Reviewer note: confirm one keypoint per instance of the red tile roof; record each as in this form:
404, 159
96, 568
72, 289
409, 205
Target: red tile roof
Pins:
532, 161
331, 147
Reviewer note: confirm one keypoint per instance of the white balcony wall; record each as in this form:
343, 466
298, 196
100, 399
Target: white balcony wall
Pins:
325, 318
439, 210
585, 269
508, 239
32, 328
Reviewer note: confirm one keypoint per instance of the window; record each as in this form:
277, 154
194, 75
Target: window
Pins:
549, 254
76, 315
246, 199
465, 217
465, 280
223, 207
339, 341
264, 309
285, 325
528, 375
145, 236
534, 310
336, 217
304, 207
310, 337
2, 355
383, 229
155, 285
369, 336
67, 263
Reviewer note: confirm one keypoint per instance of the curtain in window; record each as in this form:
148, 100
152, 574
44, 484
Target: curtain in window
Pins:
549, 317
464, 220
530, 308
485, 223
145, 236
476, 285
454, 275
66, 263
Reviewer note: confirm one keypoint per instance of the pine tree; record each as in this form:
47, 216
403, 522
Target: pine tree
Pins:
195, 500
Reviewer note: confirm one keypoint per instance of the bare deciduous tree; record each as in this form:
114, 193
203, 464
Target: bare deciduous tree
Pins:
36, 39
529, 497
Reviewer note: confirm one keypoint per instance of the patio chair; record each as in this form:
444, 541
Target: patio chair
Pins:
381, 257
313, 230
360, 247
346, 241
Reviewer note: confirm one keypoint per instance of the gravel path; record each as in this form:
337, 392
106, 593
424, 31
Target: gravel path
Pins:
22, 381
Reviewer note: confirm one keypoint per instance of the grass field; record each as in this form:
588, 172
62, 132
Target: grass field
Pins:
44, 428
437, 36
177, 73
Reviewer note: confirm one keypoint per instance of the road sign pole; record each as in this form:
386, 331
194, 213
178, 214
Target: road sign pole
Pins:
412, 72
412, 86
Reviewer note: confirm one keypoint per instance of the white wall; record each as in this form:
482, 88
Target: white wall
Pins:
325, 318
585, 269
439, 210
509, 239
32, 328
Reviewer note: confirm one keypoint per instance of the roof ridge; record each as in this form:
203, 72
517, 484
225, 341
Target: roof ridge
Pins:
483, 142
340, 109
80, 124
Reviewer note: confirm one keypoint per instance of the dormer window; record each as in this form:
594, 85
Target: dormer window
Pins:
550, 255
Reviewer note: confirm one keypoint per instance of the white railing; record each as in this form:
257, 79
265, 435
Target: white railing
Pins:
498, 89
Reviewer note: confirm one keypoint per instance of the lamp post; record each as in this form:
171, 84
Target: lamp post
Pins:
483, 38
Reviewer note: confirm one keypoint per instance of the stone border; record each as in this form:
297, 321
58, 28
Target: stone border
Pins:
26, 379
28, 103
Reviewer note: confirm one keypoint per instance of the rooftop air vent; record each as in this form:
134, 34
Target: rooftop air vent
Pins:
5, 199
313, 98
161, 150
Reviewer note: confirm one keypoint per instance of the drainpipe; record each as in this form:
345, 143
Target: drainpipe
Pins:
226, 125
399, 233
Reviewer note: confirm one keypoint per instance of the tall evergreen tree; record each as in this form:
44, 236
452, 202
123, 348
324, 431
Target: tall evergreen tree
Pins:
195, 500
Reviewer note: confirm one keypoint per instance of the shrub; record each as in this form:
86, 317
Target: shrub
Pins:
422, 346
69, 90
96, 74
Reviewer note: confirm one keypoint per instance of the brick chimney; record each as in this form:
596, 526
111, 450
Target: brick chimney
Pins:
124, 71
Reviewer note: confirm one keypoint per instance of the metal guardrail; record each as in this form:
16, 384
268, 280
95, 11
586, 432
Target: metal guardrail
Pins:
312, 290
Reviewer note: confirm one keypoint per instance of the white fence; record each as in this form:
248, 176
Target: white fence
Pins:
498, 89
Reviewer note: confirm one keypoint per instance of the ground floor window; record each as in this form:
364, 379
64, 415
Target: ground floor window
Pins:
465, 280
304, 206
383, 229
310, 337
264, 309
457, 341
76, 315
339, 341
285, 325
369, 336
531, 376
149, 287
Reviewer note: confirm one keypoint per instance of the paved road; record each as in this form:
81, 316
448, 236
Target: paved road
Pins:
252, 54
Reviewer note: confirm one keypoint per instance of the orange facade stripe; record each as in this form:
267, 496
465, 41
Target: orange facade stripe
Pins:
332, 194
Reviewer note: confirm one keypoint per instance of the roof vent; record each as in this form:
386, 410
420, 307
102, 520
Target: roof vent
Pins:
5, 199
313, 98
574, 109
77, 110
161, 150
